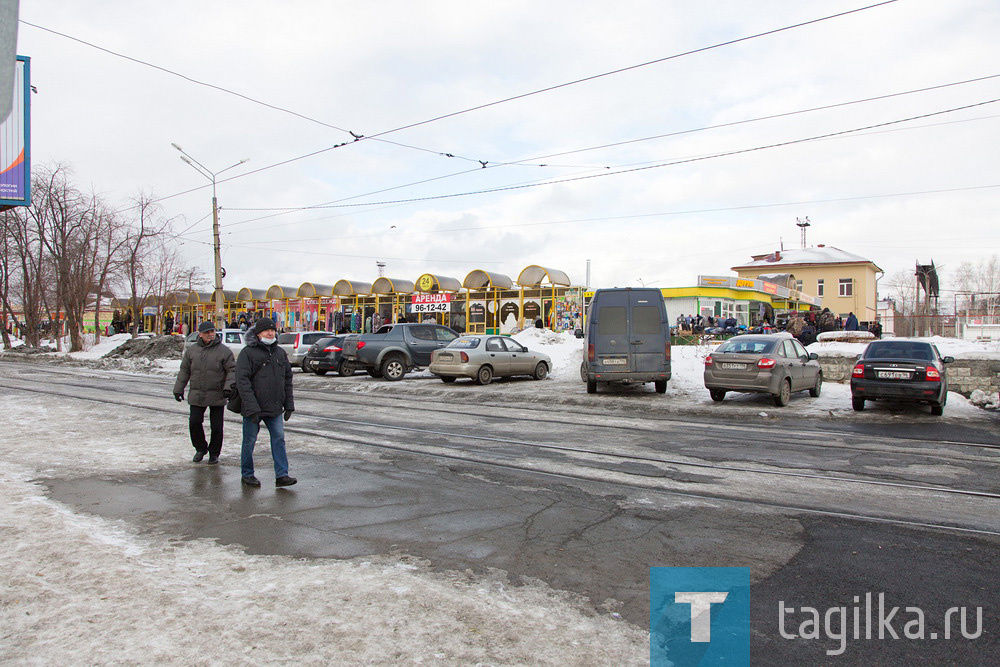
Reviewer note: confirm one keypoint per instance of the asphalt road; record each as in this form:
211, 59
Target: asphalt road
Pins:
587, 500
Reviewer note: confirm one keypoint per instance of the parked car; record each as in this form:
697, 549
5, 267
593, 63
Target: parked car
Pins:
234, 339
326, 355
901, 370
396, 348
627, 338
775, 364
296, 343
484, 357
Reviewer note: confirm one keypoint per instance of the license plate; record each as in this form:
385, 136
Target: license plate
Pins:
614, 362
444, 356
892, 375
734, 367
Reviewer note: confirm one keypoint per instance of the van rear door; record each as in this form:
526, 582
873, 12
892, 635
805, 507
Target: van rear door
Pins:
647, 331
612, 337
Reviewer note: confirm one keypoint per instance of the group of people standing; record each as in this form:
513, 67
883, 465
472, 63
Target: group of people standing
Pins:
260, 380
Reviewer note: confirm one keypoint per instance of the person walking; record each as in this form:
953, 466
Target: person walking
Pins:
264, 380
210, 368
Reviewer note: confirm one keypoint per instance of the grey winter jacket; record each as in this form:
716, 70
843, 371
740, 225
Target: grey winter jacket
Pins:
210, 368
264, 379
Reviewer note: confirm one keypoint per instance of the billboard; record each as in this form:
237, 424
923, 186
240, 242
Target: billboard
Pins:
15, 142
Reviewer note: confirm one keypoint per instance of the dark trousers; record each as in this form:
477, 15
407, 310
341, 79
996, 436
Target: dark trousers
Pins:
196, 424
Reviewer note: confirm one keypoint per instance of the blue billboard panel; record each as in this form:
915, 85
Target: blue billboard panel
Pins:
15, 141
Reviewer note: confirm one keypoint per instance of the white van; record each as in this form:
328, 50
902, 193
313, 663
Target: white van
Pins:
627, 338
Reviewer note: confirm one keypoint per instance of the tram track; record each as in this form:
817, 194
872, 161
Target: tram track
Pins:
584, 466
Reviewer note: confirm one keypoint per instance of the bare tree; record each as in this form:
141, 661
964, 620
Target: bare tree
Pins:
25, 271
978, 286
140, 254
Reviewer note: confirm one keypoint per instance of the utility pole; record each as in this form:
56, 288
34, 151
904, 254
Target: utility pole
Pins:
220, 308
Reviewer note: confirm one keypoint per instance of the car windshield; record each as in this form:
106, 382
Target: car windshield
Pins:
747, 346
899, 350
464, 343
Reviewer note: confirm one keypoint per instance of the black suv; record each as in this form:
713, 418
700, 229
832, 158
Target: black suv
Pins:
325, 355
396, 348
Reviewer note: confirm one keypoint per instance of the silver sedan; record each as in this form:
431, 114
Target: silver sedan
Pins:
775, 364
483, 357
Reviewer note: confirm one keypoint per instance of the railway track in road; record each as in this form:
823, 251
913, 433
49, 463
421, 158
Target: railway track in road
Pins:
636, 470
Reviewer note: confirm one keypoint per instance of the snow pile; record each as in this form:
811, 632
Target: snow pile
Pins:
565, 350
156, 347
846, 336
107, 345
985, 400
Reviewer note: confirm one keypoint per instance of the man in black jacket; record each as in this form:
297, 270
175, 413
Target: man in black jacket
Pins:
264, 380
209, 366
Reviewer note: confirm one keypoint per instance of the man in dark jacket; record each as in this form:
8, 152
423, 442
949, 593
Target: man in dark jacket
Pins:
209, 366
264, 380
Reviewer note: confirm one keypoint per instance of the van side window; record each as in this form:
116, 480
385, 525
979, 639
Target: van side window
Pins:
646, 320
611, 321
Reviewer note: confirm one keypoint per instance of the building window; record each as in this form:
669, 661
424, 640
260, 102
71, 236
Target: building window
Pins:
819, 287
846, 287
798, 285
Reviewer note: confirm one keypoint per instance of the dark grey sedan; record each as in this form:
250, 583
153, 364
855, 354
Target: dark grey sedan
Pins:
775, 364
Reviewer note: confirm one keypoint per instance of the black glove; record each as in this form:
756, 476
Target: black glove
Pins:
288, 414
227, 393
179, 396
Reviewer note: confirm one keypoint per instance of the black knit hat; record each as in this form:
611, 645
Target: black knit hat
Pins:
262, 325
206, 326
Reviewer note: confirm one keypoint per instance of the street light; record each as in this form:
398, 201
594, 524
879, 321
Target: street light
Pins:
220, 313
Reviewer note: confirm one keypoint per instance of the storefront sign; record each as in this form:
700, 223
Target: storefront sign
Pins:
769, 288
431, 303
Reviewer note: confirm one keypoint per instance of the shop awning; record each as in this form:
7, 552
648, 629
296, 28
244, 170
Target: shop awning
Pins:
534, 276
351, 288
312, 290
479, 279
251, 294
392, 286
434, 283
281, 292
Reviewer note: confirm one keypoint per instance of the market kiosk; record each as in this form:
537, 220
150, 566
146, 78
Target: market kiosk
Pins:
486, 299
354, 297
391, 297
434, 298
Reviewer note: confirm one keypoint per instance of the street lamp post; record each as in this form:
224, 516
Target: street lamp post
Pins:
220, 313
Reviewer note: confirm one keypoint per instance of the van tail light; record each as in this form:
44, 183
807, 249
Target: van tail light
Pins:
361, 344
666, 350
859, 371
708, 360
465, 357
591, 354
766, 363
332, 348
933, 375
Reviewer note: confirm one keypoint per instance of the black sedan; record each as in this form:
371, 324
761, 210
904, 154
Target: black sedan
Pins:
324, 356
901, 370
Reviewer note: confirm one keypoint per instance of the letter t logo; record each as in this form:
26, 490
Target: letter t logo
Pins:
701, 618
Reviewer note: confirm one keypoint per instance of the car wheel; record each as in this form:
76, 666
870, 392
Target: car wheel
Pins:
718, 395
345, 368
374, 372
784, 393
858, 404
541, 371
393, 368
306, 366
320, 371
591, 387
583, 371
447, 379
660, 386
937, 409
815, 391
485, 375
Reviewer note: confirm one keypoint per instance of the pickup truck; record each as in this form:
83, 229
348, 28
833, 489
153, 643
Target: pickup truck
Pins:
395, 349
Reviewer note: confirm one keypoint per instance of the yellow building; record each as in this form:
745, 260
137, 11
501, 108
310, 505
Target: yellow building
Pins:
844, 281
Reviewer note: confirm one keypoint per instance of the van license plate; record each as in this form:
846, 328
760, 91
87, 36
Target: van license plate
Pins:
614, 362
734, 367
893, 375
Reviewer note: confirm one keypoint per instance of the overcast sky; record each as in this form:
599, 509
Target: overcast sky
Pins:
574, 173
